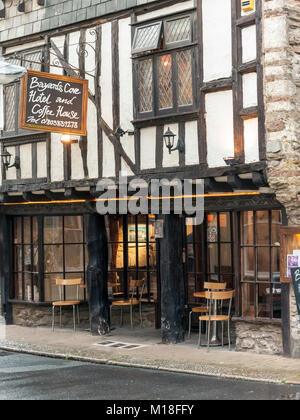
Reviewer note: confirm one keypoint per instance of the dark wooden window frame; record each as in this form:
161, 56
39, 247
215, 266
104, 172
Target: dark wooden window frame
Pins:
18, 131
172, 49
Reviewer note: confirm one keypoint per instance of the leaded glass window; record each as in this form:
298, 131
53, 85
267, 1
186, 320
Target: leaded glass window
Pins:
178, 30
165, 82
185, 81
165, 67
147, 38
145, 85
10, 100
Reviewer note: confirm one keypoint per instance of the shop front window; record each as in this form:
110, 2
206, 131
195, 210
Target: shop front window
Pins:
209, 249
260, 258
132, 254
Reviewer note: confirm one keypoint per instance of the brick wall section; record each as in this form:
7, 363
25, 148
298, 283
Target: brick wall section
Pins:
282, 107
59, 13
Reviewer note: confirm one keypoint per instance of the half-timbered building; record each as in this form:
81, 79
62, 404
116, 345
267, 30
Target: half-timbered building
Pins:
209, 71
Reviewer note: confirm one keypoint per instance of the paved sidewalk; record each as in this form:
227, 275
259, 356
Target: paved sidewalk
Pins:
185, 357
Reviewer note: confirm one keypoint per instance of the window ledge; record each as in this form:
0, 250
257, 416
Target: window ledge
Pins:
180, 116
275, 321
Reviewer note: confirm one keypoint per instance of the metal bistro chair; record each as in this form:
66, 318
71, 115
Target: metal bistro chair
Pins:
61, 283
204, 308
136, 290
214, 297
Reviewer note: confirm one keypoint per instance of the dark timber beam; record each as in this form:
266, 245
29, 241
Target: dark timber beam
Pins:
172, 280
97, 269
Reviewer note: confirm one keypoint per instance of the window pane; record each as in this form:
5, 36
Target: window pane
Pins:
264, 301
10, 99
212, 258
18, 230
262, 228
18, 286
263, 264
18, 254
247, 227
212, 227
145, 79
248, 300
178, 30
34, 60
185, 83
53, 230
165, 82
248, 264
73, 258
53, 258
27, 230
276, 223
225, 227
115, 229
51, 290
147, 38
276, 301
226, 258
73, 229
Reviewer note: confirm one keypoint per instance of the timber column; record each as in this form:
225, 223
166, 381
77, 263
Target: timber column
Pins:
172, 281
97, 270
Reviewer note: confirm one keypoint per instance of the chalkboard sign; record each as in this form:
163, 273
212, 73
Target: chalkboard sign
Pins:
54, 103
296, 283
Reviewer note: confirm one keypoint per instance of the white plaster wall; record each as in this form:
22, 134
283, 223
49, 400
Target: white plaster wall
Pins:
251, 140
167, 10
217, 42
249, 90
106, 74
76, 162
219, 122
170, 160
109, 167
57, 161
148, 144
41, 160
26, 161
249, 50
191, 143
74, 38
90, 59
59, 41
92, 140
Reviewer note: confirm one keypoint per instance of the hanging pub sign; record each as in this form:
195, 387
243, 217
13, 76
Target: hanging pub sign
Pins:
54, 103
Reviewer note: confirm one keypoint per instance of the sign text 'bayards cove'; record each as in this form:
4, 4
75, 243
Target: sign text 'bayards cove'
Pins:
54, 103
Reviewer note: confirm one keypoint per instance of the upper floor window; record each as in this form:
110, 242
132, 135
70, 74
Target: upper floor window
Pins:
164, 56
31, 60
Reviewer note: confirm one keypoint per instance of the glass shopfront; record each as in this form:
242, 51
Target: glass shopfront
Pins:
45, 248
241, 249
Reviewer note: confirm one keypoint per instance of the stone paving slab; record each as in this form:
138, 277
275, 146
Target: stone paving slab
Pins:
184, 357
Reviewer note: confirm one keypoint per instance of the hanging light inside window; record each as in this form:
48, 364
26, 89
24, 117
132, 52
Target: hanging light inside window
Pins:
2, 9
21, 6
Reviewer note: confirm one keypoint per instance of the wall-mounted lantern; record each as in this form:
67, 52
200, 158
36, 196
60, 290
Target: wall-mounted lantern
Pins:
67, 139
6, 160
120, 132
169, 138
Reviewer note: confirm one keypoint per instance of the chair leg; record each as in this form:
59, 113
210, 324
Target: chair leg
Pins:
131, 316
78, 314
199, 339
74, 317
222, 333
60, 316
229, 335
208, 337
190, 323
121, 316
53, 317
141, 318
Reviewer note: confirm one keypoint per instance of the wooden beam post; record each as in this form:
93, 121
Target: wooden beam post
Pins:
172, 280
97, 269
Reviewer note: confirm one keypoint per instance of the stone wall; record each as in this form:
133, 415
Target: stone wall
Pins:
282, 110
258, 337
30, 315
